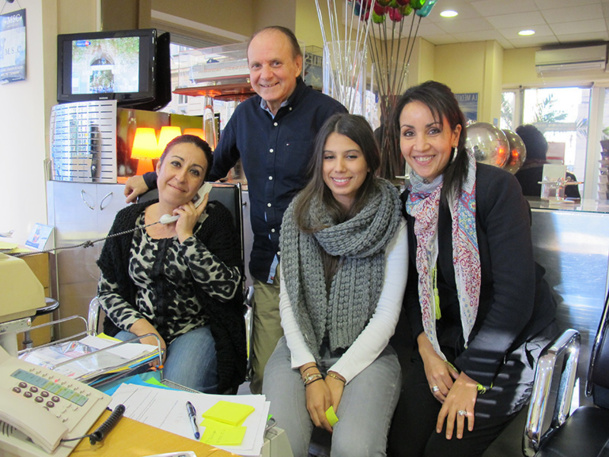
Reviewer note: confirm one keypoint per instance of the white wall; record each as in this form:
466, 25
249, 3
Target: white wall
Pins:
24, 113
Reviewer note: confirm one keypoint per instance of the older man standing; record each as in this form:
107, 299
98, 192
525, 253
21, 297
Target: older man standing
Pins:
273, 134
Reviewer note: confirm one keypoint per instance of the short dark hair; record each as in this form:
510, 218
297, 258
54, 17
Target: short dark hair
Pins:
442, 103
296, 51
198, 142
535, 143
357, 129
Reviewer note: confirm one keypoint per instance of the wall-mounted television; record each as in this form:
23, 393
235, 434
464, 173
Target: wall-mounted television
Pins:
130, 66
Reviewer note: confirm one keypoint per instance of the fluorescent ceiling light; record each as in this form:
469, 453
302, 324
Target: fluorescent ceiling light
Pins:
449, 13
526, 32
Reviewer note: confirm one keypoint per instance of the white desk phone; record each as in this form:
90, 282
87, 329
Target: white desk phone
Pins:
39, 408
197, 200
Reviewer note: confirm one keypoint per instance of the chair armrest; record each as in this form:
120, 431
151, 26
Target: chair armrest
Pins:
93, 316
565, 347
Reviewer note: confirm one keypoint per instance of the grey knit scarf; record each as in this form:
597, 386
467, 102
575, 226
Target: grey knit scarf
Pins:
341, 311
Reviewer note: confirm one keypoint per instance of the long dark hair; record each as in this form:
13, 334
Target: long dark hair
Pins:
357, 129
198, 142
442, 103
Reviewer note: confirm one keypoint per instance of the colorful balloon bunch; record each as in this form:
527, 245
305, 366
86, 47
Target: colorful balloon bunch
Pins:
396, 10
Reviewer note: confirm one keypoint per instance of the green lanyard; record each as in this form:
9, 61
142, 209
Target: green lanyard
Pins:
436, 294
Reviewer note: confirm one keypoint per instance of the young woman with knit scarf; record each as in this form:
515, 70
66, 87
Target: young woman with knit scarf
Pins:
478, 306
343, 267
180, 281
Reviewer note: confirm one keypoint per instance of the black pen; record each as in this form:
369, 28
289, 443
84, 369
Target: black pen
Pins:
192, 414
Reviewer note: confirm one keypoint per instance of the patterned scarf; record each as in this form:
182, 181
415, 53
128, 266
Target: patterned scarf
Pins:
341, 311
423, 204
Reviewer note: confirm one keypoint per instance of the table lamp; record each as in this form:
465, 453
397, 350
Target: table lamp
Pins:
196, 132
144, 149
168, 133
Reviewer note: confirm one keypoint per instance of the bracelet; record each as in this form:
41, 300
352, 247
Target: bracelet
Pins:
308, 368
334, 375
311, 378
314, 380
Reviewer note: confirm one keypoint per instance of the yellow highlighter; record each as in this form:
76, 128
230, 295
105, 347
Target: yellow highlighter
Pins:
331, 416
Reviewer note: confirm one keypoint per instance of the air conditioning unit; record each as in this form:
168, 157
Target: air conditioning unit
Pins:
571, 59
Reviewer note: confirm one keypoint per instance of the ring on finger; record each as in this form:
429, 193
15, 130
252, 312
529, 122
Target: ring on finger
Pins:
462, 412
434, 388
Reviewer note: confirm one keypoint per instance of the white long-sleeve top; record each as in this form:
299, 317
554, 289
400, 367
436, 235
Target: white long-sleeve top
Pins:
375, 336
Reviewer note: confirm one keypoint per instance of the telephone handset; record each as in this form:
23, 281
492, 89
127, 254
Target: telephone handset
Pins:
39, 408
197, 200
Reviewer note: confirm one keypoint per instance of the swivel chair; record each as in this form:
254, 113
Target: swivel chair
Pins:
229, 195
586, 431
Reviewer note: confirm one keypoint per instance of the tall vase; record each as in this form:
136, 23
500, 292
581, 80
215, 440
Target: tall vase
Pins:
344, 74
390, 83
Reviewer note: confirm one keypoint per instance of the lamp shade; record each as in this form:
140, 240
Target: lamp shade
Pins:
168, 133
196, 132
144, 149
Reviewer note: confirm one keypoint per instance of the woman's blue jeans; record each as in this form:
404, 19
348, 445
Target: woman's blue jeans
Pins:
191, 359
364, 412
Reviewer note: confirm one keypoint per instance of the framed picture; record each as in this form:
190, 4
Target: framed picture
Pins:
12, 47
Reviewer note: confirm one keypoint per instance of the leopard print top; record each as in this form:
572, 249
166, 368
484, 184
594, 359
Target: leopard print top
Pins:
166, 274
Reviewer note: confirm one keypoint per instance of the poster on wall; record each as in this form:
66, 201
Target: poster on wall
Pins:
12, 47
469, 105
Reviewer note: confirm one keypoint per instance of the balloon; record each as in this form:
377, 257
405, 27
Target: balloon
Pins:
417, 4
406, 10
379, 9
378, 18
426, 8
403, 2
383, 2
488, 143
395, 15
518, 152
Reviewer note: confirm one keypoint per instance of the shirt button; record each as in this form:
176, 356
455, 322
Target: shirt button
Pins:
268, 204
272, 230
271, 150
275, 124
270, 178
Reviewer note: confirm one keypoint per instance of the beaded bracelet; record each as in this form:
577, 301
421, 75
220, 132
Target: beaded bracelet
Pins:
334, 375
314, 380
311, 378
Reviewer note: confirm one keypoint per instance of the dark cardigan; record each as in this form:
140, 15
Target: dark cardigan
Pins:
225, 319
516, 303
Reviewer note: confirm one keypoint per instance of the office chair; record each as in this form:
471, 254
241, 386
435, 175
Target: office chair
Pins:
585, 432
229, 195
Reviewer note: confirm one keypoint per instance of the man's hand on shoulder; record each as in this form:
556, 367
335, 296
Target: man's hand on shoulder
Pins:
134, 187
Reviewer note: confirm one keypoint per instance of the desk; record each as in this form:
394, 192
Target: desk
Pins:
130, 438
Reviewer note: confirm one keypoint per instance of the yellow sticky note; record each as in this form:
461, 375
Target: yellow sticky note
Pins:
223, 435
331, 416
228, 412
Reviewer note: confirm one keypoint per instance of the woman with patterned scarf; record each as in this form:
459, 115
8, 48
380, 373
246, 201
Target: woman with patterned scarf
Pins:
476, 301
344, 260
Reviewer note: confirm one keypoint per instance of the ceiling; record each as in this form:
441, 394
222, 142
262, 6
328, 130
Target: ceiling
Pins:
554, 21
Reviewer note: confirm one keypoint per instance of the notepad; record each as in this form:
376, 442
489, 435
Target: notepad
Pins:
228, 412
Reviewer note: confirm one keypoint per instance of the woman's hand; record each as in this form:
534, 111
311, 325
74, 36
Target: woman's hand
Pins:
142, 327
189, 215
319, 399
439, 374
336, 387
458, 406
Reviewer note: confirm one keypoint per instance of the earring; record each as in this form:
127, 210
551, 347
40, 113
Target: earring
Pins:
454, 155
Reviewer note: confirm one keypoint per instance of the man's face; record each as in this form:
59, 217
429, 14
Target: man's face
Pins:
273, 68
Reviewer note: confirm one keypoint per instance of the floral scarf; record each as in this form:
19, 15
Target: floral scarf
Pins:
423, 205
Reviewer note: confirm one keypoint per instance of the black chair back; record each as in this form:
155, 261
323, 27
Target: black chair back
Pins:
598, 374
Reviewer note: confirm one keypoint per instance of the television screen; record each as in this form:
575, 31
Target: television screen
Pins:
131, 66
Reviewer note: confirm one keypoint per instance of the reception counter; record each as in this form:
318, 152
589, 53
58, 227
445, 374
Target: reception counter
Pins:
571, 240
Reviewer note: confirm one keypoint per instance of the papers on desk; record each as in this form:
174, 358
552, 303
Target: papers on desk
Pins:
165, 409
86, 361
